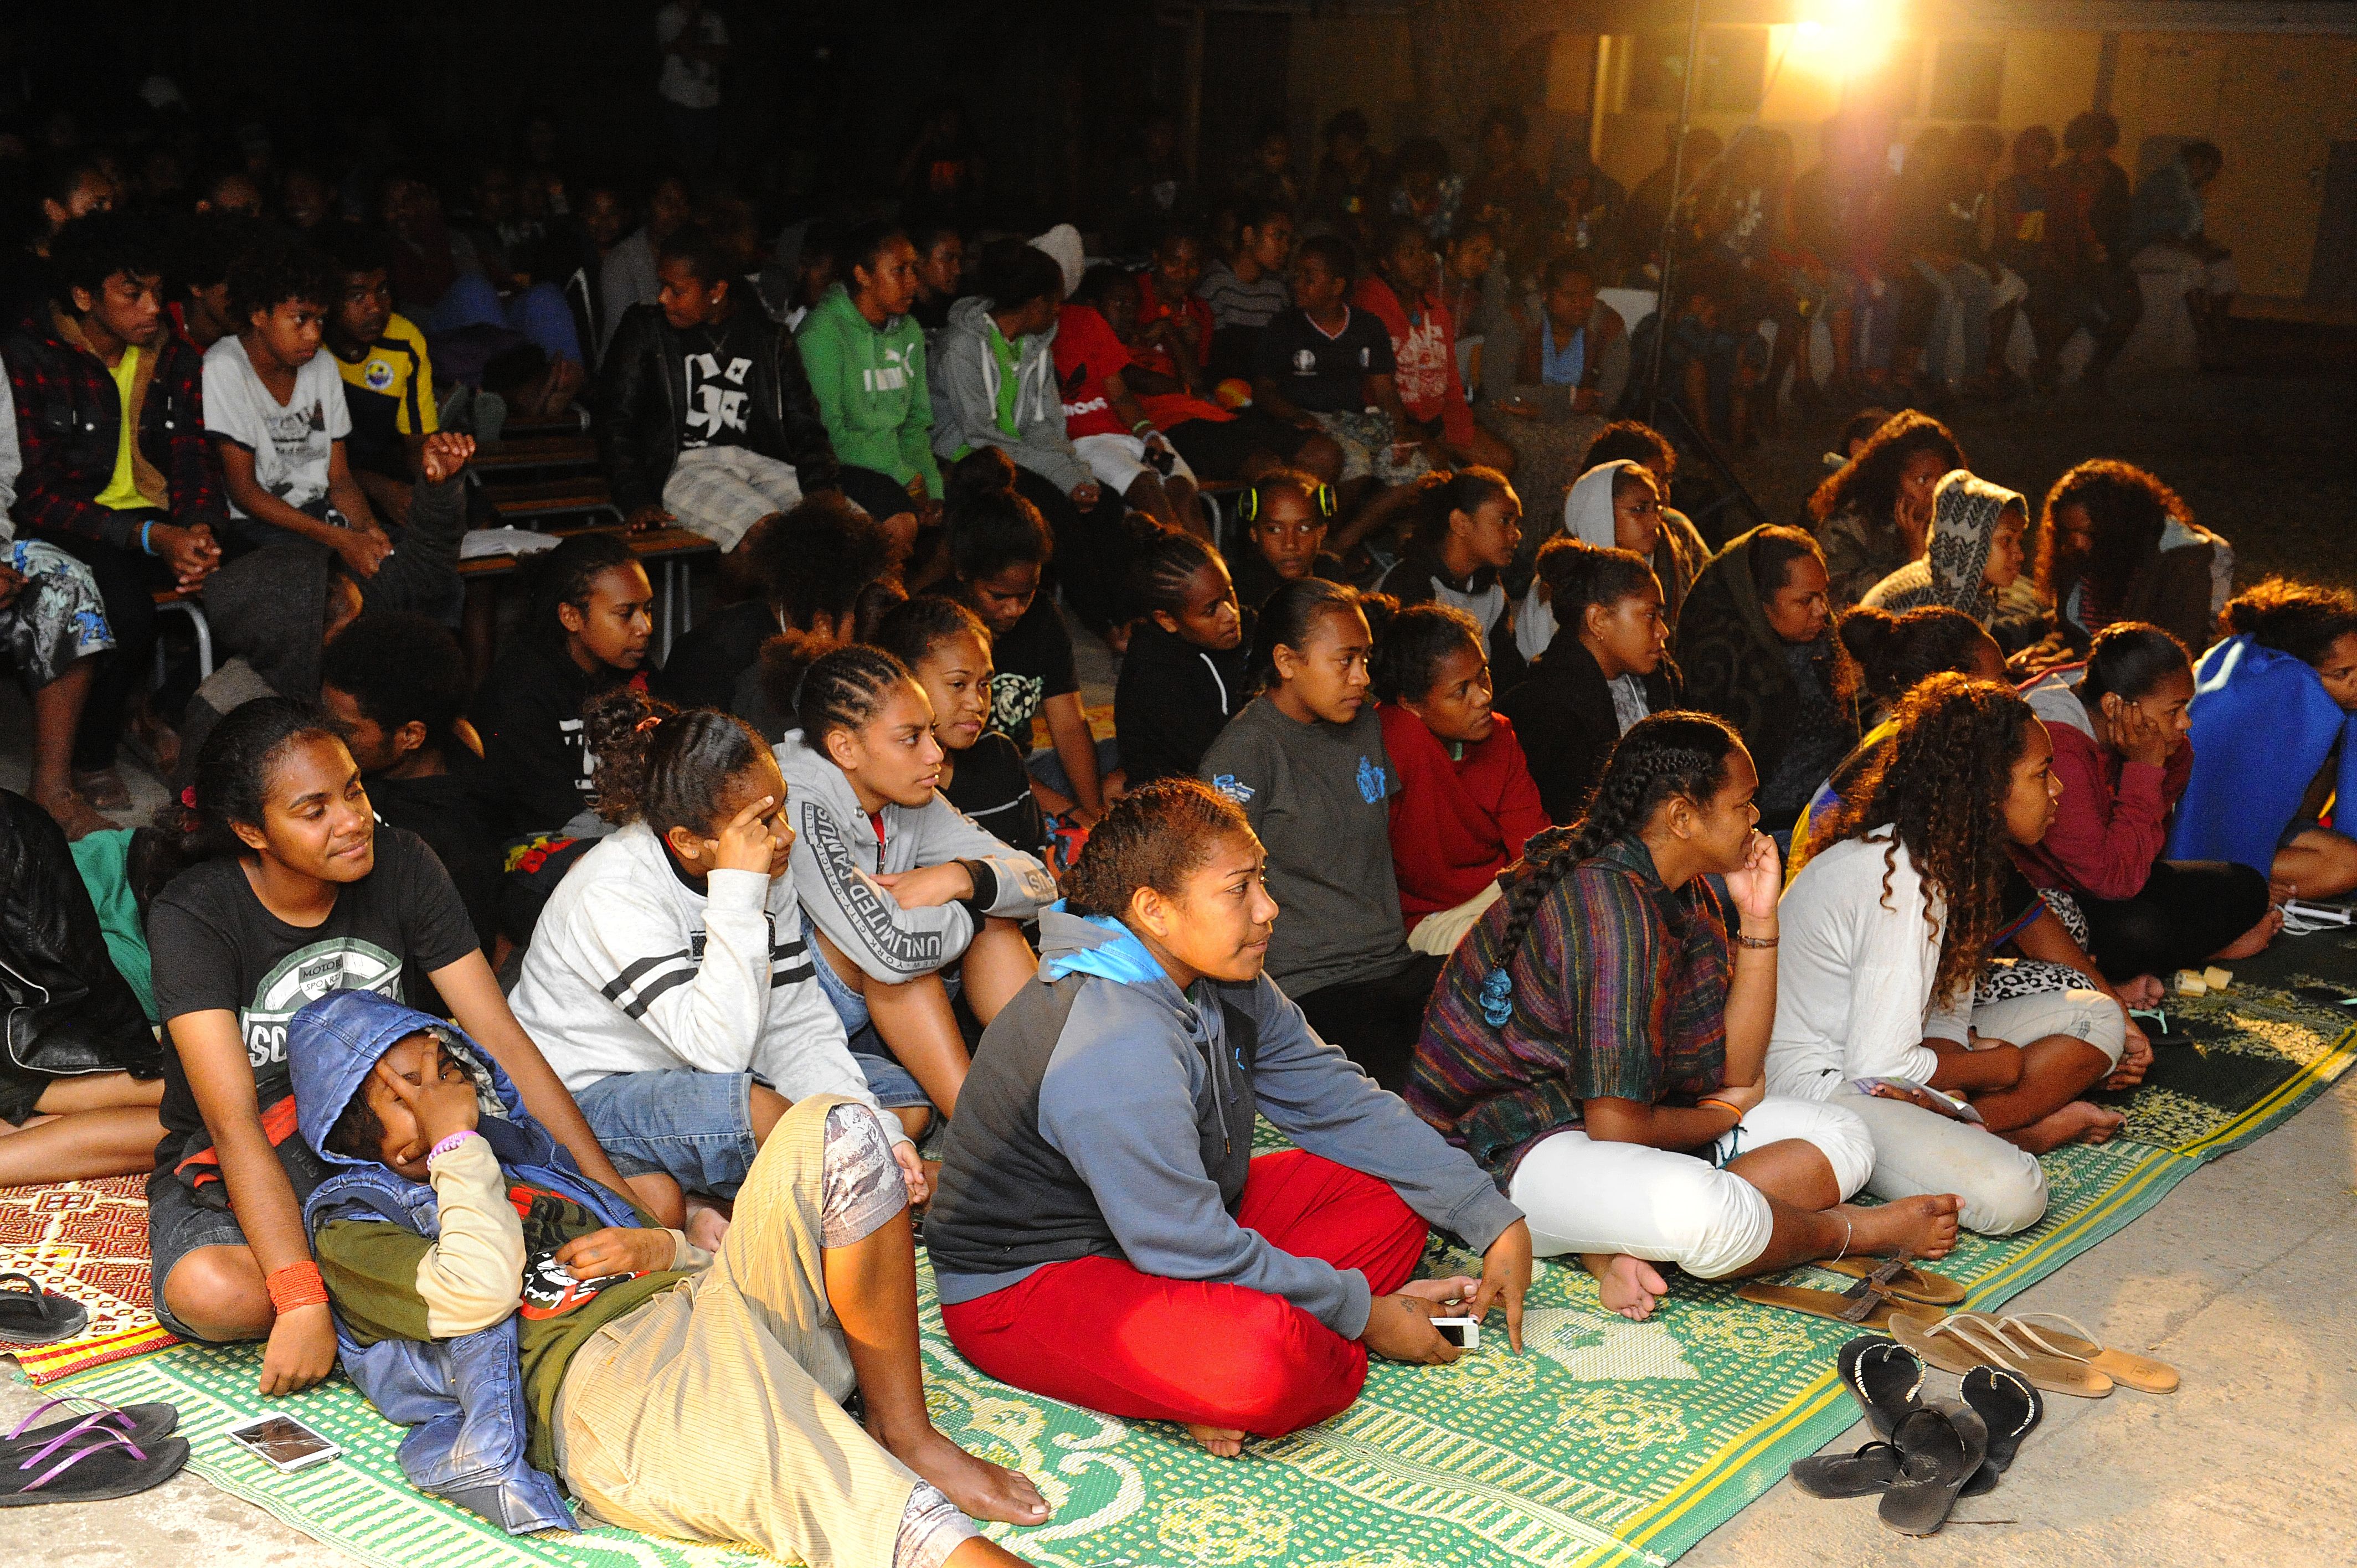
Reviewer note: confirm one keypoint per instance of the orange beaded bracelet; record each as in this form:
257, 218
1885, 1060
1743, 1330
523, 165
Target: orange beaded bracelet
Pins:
296, 1285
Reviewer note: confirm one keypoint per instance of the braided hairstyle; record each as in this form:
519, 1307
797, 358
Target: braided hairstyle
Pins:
1164, 566
1154, 837
1291, 616
1409, 649
1891, 653
1940, 785
1665, 757
664, 766
913, 628
565, 575
844, 690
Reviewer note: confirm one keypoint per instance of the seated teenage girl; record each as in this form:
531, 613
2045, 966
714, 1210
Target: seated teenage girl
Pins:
1189, 669
670, 974
948, 649
1595, 1049
1606, 670
1886, 933
1306, 761
902, 885
2274, 738
588, 630
1285, 513
1465, 805
1463, 531
1616, 505
1976, 552
1102, 1234
291, 891
998, 548
2118, 723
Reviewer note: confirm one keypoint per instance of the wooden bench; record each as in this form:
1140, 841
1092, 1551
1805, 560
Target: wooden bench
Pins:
578, 495
518, 455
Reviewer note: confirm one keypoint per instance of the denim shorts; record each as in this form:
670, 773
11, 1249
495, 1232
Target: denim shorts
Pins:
888, 1080
695, 1127
177, 1226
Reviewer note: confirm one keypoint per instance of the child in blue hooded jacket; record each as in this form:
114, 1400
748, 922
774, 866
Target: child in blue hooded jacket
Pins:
532, 1327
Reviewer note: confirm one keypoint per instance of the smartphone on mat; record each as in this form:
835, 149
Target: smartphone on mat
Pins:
284, 1442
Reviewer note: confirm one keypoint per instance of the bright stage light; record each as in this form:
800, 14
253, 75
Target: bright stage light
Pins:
1839, 38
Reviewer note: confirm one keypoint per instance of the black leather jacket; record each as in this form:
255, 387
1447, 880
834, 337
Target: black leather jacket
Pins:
64, 1008
642, 390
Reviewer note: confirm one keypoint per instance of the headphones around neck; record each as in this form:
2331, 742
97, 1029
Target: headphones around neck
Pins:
1248, 504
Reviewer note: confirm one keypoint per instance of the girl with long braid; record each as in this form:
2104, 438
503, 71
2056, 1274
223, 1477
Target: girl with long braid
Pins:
1886, 933
1598, 1042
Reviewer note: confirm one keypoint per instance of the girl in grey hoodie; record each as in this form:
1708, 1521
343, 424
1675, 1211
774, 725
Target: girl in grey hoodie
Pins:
899, 884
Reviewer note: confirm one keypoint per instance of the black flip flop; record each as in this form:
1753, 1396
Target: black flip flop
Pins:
143, 1423
1939, 1449
1885, 1377
98, 1465
2011, 1410
1860, 1475
38, 1317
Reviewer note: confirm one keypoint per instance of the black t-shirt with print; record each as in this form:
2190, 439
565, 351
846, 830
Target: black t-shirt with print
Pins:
719, 375
1034, 663
215, 948
1324, 374
990, 784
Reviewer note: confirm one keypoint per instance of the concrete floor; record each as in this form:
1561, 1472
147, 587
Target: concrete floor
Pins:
2241, 1280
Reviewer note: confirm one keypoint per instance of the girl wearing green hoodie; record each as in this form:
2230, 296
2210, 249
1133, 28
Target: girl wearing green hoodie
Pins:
866, 357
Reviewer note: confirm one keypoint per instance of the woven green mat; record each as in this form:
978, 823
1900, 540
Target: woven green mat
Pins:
1607, 1442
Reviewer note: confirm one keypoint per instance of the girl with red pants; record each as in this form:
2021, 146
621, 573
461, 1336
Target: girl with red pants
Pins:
1102, 1234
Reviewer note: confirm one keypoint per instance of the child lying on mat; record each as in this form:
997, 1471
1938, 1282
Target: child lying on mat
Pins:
530, 1327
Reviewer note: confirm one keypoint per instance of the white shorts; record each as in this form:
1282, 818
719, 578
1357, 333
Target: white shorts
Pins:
721, 492
1584, 1195
1440, 932
1117, 460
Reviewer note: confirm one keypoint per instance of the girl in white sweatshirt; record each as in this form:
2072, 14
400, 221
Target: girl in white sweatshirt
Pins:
907, 894
670, 973
1884, 984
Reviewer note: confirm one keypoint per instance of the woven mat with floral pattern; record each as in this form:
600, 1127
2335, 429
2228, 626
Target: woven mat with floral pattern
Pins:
1605, 1443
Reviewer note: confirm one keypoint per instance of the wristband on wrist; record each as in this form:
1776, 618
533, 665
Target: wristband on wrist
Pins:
144, 529
296, 1285
446, 1145
1722, 1104
1143, 427
1755, 943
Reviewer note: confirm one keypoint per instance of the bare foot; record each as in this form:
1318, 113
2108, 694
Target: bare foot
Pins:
2144, 991
2077, 1123
1440, 1291
1629, 1286
2253, 942
1925, 1226
72, 811
1222, 1442
982, 1489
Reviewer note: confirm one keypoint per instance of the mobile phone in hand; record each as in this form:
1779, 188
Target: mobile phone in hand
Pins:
1464, 1333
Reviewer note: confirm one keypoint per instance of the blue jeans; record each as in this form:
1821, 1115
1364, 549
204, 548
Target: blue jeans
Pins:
893, 1086
695, 1127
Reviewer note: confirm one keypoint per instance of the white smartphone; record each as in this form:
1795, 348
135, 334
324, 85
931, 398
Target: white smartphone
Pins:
1464, 1333
284, 1442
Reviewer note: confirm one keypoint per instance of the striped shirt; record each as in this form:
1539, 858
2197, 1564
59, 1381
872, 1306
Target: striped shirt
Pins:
1235, 302
1634, 1007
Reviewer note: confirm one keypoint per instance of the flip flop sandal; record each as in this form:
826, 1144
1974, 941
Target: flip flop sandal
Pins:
1863, 1473
103, 1465
2141, 1373
1910, 1284
140, 1423
1874, 1311
1939, 1448
38, 1317
1885, 1377
2011, 1410
1958, 1343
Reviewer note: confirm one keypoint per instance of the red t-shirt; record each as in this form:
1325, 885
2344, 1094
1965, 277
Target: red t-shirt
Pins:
1086, 353
1423, 351
1150, 309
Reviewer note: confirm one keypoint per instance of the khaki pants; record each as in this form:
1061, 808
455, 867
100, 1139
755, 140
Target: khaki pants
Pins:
714, 1413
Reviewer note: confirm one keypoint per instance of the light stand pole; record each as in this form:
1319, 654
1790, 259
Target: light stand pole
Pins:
1661, 318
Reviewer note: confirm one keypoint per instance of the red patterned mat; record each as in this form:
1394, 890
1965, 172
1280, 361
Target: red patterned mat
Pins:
87, 1240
